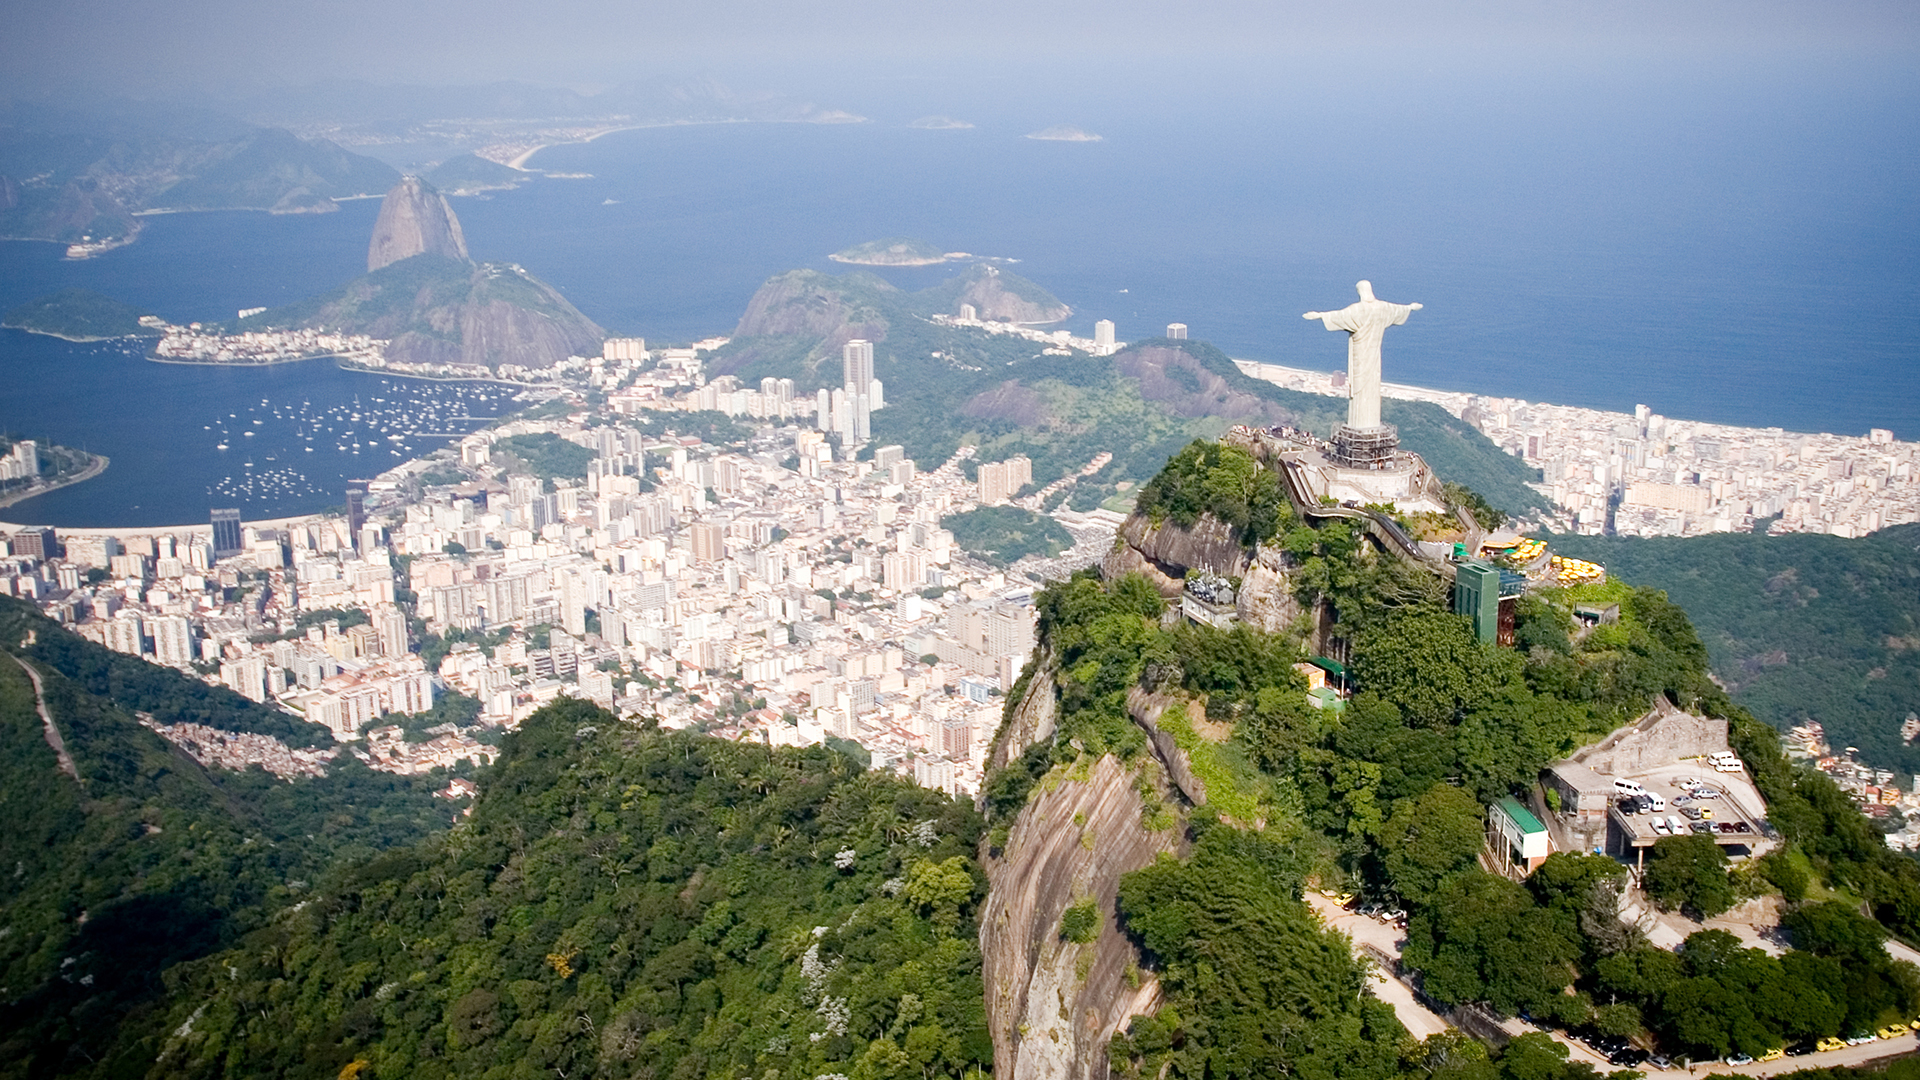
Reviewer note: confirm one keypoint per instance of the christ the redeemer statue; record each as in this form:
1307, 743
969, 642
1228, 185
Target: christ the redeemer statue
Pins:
1365, 323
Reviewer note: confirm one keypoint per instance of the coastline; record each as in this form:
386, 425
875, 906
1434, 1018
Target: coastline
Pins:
94, 468
75, 340
242, 363
204, 528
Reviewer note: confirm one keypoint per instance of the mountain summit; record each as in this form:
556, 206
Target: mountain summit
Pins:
415, 220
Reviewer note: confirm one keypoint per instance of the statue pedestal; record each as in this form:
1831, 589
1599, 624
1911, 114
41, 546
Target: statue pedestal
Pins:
1365, 448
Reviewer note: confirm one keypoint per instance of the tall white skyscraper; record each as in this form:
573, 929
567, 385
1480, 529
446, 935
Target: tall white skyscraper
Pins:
856, 365
1103, 337
823, 406
1177, 331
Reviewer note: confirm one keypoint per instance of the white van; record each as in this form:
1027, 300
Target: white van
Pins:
1629, 788
1724, 761
1659, 802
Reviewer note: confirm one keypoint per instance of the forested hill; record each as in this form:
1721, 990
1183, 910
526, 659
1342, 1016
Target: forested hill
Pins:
947, 385
1799, 626
624, 903
1389, 799
146, 859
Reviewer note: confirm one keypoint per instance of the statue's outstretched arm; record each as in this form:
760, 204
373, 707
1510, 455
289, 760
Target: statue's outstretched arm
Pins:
1313, 315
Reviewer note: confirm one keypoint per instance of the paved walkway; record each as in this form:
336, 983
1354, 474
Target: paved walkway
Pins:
53, 730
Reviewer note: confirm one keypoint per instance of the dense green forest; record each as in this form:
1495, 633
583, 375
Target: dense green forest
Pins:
1389, 798
1799, 626
544, 455
148, 859
78, 314
951, 385
624, 902
1003, 535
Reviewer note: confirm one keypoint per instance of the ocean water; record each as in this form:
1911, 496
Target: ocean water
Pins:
1734, 246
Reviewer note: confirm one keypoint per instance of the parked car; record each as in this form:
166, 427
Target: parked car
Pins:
1831, 1042
1704, 828
1858, 1038
1692, 812
1628, 1058
1774, 1054
1707, 793
1800, 1049
1894, 1031
1673, 823
1738, 1059
1660, 1061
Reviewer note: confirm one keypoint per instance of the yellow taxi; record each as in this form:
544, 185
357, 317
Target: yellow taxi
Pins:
1774, 1054
1894, 1031
1831, 1042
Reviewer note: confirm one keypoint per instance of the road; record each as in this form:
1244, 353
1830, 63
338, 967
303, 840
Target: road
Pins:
53, 730
1370, 935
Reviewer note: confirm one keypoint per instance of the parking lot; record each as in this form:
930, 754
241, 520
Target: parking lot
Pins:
1697, 800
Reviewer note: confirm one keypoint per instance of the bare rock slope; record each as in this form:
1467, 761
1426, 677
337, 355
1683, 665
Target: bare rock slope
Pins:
414, 220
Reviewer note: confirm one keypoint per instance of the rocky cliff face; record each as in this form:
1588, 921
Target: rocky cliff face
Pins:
414, 220
1266, 601
1165, 552
1052, 1004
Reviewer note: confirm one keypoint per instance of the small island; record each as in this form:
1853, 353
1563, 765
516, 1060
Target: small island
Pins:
940, 123
81, 315
893, 251
1065, 133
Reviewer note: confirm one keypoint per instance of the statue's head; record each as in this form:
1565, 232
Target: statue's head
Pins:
1366, 290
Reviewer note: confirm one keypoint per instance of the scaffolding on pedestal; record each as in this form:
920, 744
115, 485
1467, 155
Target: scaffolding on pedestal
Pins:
1365, 448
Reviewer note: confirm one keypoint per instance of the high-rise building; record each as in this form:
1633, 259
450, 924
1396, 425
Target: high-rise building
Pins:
629, 349
709, 542
127, 634
35, 543
356, 506
1103, 337
226, 533
173, 640
823, 405
1000, 480
1177, 331
574, 602
392, 624
856, 365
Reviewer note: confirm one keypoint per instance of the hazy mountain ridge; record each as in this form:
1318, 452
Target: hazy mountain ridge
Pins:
72, 174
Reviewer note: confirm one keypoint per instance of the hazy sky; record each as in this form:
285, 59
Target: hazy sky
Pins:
224, 46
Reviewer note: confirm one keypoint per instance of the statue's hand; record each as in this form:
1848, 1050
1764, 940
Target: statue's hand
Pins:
1312, 315
1415, 307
